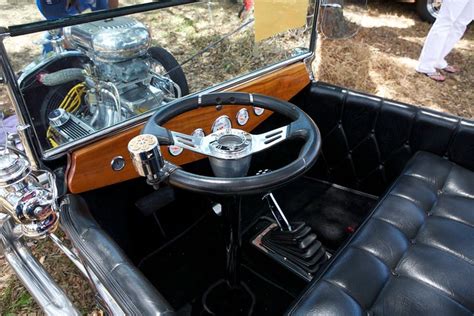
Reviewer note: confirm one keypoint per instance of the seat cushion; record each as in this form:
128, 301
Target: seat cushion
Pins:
413, 255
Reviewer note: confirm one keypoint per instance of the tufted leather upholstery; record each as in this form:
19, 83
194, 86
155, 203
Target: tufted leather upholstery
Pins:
414, 255
367, 140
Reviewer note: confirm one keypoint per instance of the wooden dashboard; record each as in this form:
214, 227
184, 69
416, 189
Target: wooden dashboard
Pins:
90, 167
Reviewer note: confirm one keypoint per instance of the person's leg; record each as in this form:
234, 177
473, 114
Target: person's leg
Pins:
438, 35
459, 27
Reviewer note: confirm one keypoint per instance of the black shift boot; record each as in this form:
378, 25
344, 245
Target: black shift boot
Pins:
299, 245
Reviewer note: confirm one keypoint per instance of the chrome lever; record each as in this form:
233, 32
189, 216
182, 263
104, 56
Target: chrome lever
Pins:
275, 208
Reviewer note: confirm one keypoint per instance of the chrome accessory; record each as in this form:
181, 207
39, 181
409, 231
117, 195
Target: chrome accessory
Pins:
58, 117
230, 150
222, 122
217, 208
110, 40
175, 150
242, 117
275, 208
231, 144
117, 163
24, 197
258, 111
13, 169
66, 127
231, 153
146, 157
198, 132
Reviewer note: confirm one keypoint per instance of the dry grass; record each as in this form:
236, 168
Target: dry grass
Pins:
14, 298
380, 60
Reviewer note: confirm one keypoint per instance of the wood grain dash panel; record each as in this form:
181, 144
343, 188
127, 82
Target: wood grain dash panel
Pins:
90, 167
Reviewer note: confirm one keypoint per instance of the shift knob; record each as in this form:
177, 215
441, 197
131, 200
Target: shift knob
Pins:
146, 156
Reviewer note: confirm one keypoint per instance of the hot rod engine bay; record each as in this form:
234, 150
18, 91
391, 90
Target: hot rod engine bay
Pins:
266, 193
116, 75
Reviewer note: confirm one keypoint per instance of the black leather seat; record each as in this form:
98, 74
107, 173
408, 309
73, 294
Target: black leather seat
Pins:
414, 255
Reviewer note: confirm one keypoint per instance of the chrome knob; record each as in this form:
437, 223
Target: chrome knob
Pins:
146, 156
58, 117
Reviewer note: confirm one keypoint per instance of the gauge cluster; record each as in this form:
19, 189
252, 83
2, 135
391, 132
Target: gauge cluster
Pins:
242, 118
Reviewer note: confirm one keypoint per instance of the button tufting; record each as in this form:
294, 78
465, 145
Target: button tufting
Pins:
394, 273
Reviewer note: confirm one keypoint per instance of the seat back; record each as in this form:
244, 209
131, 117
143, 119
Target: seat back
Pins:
368, 140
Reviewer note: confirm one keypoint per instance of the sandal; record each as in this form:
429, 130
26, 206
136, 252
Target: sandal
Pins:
451, 69
436, 76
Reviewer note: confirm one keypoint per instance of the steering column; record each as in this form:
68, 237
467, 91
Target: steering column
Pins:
230, 152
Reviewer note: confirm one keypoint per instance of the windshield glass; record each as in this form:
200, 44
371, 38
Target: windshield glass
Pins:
86, 78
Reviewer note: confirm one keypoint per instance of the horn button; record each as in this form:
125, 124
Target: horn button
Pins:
231, 149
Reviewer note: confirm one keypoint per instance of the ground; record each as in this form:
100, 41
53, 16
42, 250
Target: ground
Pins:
382, 56
379, 59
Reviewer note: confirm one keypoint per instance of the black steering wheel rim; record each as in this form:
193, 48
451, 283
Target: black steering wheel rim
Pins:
302, 126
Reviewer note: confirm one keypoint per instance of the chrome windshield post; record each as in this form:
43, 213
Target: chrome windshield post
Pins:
9, 79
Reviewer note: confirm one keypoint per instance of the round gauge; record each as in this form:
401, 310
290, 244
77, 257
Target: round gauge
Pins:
222, 122
242, 117
258, 111
198, 132
117, 163
175, 150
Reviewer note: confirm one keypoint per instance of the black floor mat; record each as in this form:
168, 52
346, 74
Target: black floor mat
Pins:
184, 268
334, 213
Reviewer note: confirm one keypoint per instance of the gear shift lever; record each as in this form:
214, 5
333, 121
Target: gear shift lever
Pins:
277, 212
295, 242
275, 208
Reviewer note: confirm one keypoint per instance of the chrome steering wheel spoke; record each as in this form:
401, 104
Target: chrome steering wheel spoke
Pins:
193, 143
266, 140
215, 144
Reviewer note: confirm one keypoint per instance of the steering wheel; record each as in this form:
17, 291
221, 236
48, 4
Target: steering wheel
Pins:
229, 150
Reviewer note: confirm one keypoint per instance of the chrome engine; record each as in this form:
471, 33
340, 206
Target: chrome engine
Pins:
119, 82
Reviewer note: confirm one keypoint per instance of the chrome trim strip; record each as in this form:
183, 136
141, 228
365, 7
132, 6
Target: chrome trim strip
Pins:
49, 296
112, 306
59, 151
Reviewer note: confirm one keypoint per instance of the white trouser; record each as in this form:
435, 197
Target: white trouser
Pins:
454, 16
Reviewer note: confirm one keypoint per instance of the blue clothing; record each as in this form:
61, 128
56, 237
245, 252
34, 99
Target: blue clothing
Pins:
57, 9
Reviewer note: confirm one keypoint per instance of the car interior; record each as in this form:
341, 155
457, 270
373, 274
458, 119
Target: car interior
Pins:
390, 199
351, 204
